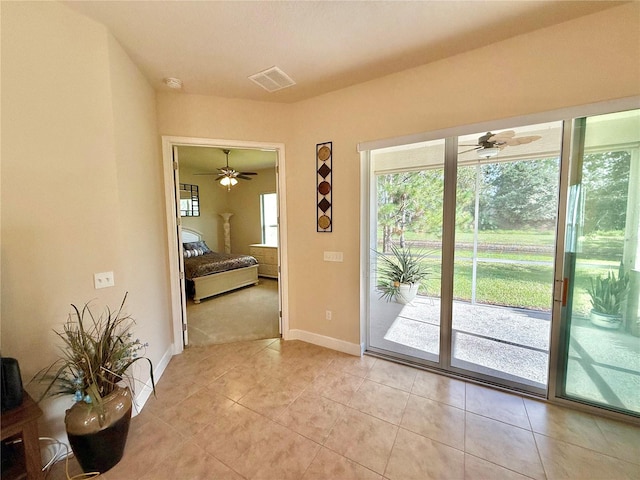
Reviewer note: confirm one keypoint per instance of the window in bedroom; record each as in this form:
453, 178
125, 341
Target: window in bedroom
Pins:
269, 218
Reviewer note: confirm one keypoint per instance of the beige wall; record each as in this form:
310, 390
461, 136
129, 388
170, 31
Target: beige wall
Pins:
587, 60
213, 200
222, 118
244, 203
570, 64
82, 185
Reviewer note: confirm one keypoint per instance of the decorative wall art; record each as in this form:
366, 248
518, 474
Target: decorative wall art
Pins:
324, 174
189, 200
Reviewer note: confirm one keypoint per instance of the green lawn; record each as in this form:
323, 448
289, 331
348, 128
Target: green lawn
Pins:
520, 284
515, 285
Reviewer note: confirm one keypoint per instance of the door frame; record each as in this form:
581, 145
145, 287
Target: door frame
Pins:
172, 218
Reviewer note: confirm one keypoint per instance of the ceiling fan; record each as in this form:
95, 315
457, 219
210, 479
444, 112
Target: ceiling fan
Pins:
490, 144
227, 176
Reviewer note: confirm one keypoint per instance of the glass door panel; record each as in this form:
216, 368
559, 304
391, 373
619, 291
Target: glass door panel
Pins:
407, 198
505, 232
600, 356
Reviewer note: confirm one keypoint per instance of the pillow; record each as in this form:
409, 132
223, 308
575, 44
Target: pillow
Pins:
200, 246
188, 253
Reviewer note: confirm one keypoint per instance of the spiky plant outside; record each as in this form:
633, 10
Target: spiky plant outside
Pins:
401, 265
608, 293
95, 356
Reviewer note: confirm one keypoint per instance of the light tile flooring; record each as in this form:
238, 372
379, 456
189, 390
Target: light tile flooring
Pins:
275, 410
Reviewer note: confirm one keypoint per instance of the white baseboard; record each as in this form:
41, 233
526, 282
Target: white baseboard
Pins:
145, 392
327, 342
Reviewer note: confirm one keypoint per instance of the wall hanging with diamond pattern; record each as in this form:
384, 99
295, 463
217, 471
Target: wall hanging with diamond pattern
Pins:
324, 173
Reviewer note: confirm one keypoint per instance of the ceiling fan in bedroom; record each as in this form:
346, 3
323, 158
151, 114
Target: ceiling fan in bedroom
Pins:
227, 176
490, 144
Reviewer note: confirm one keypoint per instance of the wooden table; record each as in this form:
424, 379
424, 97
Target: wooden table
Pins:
23, 421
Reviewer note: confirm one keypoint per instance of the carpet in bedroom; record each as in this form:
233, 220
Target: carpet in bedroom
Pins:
249, 313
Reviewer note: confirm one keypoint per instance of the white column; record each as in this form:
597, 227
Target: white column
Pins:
227, 231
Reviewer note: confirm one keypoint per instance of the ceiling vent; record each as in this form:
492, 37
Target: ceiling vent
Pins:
272, 79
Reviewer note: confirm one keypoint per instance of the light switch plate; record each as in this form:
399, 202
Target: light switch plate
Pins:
332, 256
103, 280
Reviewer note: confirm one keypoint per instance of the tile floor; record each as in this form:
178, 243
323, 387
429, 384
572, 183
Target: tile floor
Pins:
276, 410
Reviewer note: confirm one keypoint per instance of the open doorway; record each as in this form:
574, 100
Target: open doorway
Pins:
211, 206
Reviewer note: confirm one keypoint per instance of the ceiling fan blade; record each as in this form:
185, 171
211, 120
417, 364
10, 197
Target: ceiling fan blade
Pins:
243, 177
521, 140
470, 150
468, 145
248, 173
502, 135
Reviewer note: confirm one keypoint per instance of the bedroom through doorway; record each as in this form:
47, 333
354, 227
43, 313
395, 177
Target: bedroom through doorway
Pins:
228, 246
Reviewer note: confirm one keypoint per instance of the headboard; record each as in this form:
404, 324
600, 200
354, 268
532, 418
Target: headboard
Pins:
189, 235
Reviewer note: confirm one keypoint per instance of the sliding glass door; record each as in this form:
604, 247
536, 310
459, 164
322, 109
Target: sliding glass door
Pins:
511, 296
407, 185
493, 320
600, 341
506, 212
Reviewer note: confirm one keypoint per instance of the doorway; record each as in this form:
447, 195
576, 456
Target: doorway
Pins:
215, 230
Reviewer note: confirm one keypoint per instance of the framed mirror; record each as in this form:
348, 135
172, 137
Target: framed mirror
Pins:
189, 200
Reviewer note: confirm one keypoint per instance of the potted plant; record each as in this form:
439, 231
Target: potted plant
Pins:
400, 272
607, 294
94, 368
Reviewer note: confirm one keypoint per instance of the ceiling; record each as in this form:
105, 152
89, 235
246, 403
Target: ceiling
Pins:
201, 159
213, 46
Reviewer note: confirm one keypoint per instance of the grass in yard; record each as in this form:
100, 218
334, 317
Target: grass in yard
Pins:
516, 284
522, 286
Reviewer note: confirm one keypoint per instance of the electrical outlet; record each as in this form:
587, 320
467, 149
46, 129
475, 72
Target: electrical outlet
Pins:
327, 315
103, 280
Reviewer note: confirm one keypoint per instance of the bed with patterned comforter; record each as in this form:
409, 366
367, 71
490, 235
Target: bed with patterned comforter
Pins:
211, 273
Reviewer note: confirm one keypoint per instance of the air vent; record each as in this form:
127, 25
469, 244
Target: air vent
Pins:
272, 79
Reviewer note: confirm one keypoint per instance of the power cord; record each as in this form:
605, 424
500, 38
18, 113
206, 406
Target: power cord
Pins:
62, 451
59, 454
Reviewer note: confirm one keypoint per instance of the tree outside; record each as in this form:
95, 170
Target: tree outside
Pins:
516, 222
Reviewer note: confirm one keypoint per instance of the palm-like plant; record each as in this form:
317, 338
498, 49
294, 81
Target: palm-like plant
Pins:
400, 266
608, 293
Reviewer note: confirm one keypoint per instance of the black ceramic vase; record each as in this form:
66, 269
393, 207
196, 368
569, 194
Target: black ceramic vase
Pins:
98, 434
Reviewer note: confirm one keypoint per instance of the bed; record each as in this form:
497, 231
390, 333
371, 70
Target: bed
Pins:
210, 273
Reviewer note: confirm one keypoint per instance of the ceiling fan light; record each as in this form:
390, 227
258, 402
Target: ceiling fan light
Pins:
228, 181
488, 152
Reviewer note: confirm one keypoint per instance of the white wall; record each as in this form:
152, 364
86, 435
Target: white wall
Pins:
81, 185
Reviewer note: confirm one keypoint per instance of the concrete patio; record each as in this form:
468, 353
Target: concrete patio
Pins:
513, 344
